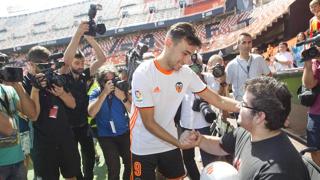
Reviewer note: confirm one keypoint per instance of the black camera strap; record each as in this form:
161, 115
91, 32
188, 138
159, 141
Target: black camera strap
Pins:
5, 102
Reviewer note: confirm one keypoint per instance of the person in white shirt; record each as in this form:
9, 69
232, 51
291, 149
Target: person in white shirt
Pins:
284, 56
245, 66
158, 88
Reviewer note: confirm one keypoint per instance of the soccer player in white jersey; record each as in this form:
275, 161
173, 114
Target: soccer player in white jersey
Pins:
158, 88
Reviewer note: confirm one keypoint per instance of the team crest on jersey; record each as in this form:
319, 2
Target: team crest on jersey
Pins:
179, 87
138, 95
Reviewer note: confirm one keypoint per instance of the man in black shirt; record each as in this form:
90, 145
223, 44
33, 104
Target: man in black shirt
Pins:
260, 148
78, 77
54, 145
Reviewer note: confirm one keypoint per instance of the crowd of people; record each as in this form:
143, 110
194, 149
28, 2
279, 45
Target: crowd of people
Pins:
153, 124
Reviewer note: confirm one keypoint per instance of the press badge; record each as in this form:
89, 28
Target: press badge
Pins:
113, 128
53, 112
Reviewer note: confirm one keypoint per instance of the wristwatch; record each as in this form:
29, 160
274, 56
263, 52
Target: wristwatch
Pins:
125, 100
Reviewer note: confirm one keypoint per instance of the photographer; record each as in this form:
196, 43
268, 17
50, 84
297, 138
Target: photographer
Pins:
78, 77
109, 106
193, 117
54, 145
13, 99
311, 79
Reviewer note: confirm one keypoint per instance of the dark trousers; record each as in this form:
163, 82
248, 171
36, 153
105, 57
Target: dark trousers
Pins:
13, 172
84, 137
113, 148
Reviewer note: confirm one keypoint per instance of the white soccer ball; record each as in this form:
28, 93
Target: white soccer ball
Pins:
219, 171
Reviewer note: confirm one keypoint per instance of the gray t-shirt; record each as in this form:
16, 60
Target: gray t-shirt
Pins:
239, 70
274, 158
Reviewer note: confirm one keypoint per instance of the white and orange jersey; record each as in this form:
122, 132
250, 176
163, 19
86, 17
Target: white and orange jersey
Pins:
153, 87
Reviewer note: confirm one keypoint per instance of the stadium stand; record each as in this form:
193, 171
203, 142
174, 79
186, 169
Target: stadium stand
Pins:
216, 33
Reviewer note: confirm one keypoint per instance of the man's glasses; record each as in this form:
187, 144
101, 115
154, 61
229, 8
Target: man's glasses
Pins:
244, 105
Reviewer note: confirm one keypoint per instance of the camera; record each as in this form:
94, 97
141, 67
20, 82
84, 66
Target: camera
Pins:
50, 75
199, 105
312, 52
218, 70
93, 27
7, 73
51, 78
134, 57
121, 84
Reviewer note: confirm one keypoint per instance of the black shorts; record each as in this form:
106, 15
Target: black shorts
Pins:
50, 159
169, 164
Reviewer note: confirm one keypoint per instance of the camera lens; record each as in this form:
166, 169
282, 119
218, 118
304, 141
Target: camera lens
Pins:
218, 71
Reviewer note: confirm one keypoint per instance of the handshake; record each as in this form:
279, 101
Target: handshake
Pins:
189, 139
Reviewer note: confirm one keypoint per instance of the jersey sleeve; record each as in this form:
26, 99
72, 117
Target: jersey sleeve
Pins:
142, 90
196, 85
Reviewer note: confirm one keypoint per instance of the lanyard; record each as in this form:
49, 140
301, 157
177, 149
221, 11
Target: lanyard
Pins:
248, 66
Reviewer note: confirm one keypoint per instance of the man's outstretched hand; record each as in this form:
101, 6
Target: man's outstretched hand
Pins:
189, 139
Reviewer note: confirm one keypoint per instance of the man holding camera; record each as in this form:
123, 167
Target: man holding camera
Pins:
245, 66
109, 106
78, 77
13, 99
311, 79
198, 115
158, 88
54, 145
261, 150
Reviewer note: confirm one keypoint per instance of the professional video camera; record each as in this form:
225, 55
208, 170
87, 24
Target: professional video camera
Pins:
50, 74
134, 57
218, 70
312, 52
200, 105
93, 27
7, 73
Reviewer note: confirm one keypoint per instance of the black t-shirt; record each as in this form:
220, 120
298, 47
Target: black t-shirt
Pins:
272, 159
46, 128
78, 88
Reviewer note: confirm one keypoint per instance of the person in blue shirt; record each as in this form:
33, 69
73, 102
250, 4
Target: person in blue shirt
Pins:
297, 50
109, 106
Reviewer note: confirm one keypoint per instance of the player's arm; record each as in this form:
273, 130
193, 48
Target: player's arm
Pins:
221, 102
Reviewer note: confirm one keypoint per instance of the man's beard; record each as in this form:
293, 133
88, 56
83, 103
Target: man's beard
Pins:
77, 71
